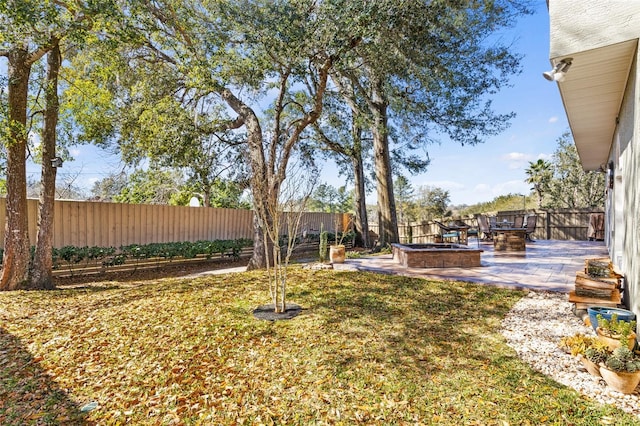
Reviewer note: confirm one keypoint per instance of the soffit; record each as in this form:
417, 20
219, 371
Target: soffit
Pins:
592, 93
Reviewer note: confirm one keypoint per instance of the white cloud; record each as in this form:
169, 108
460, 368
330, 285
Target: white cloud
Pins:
482, 188
544, 156
510, 187
444, 184
553, 119
516, 156
75, 152
516, 160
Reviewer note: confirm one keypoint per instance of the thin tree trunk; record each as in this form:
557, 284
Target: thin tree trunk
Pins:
41, 276
15, 270
382, 160
361, 221
258, 258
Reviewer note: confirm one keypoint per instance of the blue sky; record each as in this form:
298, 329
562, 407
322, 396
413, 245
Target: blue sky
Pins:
479, 173
471, 174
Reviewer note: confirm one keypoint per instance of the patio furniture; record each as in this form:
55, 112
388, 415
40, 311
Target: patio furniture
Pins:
531, 227
449, 233
509, 239
464, 229
471, 232
504, 223
483, 226
492, 222
518, 222
596, 227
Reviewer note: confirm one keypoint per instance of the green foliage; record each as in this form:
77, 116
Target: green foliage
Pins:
324, 246
68, 256
109, 187
500, 203
597, 353
623, 359
150, 186
351, 254
539, 176
329, 199
615, 327
405, 202
570, 185
579, 343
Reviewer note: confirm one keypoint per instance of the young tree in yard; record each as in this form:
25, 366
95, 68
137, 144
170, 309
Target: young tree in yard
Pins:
285, 215
540, 174
570, 186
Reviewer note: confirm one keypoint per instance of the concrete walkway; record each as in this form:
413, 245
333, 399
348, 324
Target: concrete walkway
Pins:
546, 265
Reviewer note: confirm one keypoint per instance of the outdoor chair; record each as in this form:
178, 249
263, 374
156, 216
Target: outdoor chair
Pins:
531, 227
493, 222
448, 233
484, 228
595, 231
518, 222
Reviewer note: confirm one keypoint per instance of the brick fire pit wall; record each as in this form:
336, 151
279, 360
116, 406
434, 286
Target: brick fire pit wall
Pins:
436, 256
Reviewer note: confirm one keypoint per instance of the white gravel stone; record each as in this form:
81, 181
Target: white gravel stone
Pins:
534, 327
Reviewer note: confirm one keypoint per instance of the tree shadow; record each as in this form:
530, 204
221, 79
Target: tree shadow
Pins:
28, 394
416, 322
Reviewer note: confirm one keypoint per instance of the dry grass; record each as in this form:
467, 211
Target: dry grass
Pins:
367, 348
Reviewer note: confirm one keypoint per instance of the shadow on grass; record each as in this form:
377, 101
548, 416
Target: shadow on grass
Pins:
28, 395
417, 324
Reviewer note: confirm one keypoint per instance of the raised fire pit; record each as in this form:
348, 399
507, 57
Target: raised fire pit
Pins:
436, 255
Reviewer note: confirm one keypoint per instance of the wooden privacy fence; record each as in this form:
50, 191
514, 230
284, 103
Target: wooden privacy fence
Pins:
560, 224
88, 223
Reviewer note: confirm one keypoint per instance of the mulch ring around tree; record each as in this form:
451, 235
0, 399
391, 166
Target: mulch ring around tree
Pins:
268, 313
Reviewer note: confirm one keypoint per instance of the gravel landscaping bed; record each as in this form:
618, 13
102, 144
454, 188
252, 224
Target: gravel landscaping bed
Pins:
534, 327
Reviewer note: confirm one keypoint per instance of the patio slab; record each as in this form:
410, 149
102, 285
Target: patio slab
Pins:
548, 265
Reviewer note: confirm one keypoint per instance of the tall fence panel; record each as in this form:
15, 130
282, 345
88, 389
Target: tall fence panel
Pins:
557, 224
88, 223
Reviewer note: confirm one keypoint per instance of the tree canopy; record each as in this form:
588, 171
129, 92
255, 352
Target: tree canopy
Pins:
570, 186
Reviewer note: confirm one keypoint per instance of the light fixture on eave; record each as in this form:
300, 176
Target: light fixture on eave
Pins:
559, 70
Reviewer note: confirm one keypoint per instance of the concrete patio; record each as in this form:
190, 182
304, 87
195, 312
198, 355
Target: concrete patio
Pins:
548, 265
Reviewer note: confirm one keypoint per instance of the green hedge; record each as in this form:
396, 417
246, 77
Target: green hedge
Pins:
110, 256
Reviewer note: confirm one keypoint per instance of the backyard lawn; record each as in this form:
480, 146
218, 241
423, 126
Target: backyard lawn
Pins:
367, 348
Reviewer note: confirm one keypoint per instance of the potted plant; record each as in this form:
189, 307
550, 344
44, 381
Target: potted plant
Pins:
621, 370
337, 251
589, 350
615, 332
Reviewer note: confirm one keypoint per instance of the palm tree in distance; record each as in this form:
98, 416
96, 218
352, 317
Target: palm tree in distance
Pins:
540, 174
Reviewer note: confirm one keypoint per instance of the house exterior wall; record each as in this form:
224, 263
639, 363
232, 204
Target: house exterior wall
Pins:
582, 26
590, 31
625, 250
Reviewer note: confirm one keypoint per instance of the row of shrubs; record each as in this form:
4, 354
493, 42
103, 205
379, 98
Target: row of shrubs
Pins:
110, 256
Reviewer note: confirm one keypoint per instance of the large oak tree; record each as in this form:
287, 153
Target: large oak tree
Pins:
425, 72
